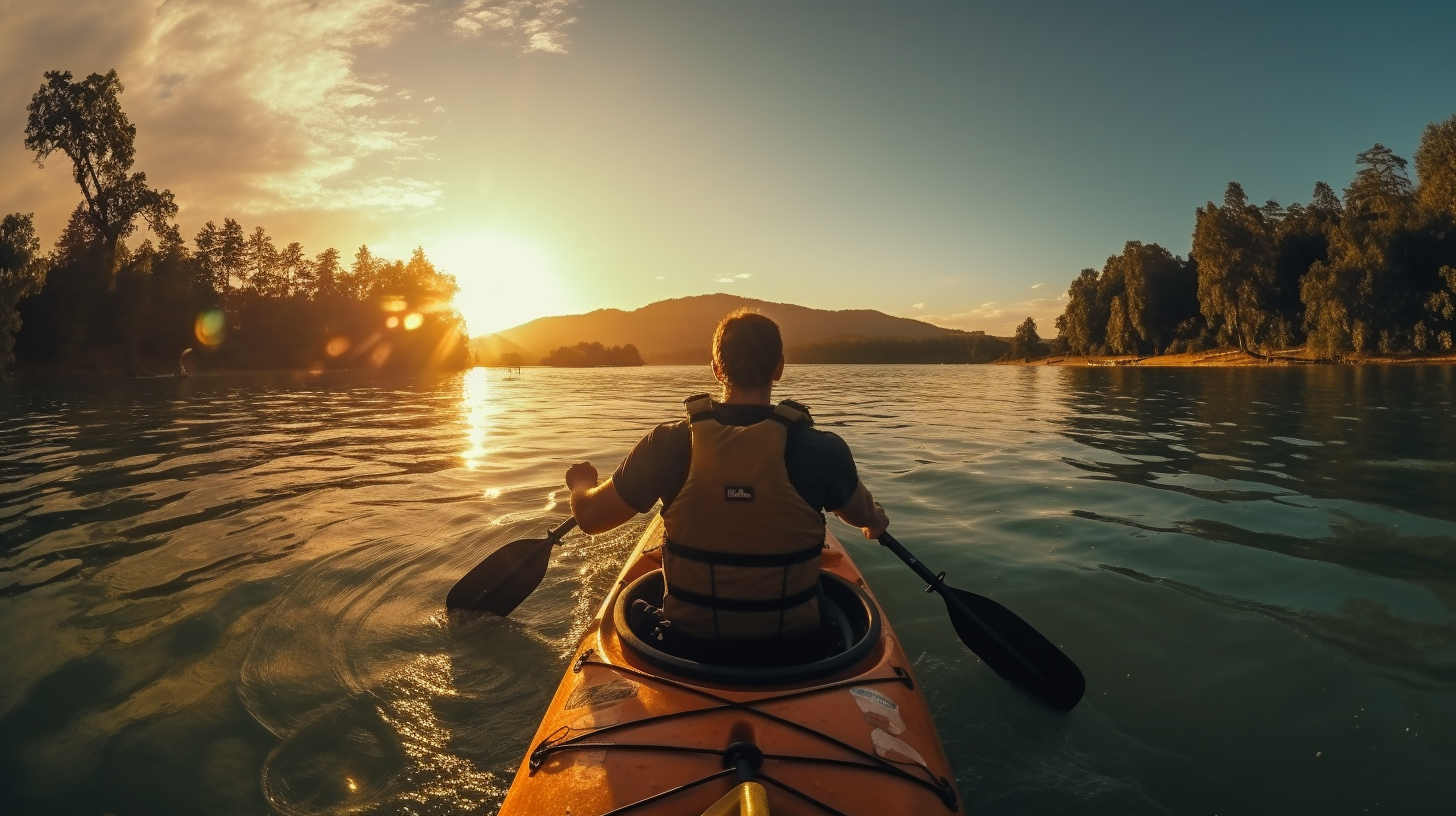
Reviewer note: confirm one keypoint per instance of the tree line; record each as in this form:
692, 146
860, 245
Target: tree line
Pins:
960, 347
1369, 272
587, 355
95, 301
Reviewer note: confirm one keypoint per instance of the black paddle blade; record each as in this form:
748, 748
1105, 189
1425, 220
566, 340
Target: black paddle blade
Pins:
1011, 647
504, 579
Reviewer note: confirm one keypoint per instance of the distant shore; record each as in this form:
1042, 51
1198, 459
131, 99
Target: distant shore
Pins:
1224, 358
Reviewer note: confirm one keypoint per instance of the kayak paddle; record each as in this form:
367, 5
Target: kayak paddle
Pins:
507, 576
1008, 644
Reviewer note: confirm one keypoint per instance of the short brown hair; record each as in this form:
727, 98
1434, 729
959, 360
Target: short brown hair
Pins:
747, 347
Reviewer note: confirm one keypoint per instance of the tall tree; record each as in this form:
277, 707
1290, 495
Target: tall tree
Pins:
260, 264
1235, 267
22, 271
1026, 342
1436, 167
1381, 188
328, 274
1081, 324
84, 121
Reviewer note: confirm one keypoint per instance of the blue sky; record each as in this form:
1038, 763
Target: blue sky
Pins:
958, 162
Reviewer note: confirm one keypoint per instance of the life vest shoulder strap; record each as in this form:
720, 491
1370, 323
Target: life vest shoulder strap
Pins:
700, 407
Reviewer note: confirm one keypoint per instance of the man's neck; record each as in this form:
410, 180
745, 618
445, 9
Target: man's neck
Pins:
747, 396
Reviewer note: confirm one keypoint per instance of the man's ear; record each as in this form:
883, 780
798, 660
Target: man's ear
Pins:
779, 369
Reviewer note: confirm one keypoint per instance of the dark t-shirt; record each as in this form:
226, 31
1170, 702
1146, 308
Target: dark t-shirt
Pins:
820, 465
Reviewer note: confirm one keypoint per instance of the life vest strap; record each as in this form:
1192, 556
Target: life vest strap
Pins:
732, 559
736, 605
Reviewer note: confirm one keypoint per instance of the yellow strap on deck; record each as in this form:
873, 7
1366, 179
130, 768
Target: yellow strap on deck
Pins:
748, 799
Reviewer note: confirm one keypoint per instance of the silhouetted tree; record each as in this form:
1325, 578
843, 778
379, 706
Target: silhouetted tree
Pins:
1026, 343
22, 272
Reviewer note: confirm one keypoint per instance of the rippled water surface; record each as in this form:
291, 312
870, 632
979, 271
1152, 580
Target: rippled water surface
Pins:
225, 595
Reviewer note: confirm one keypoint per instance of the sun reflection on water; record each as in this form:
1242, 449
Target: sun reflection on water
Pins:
479, 407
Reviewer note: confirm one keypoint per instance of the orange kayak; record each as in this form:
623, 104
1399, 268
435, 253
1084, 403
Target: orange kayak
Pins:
633, 729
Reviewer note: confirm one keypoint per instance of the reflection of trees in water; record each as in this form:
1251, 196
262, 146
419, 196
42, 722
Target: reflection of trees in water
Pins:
1378, 435
1418, 654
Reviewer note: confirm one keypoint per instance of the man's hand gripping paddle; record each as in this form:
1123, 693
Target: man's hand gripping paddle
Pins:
507, 576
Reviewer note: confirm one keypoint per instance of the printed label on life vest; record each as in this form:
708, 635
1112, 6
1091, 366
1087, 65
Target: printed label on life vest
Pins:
738, 493
601, 695
879, 710
894, 749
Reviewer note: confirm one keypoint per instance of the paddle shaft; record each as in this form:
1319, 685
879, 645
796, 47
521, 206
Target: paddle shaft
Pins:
960, 608
564, 528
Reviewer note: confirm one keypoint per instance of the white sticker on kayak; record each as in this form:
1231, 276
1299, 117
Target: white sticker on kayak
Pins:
602, 695
879, 710
894, 749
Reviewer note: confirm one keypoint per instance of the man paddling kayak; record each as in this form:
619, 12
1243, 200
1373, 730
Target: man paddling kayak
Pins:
743, 485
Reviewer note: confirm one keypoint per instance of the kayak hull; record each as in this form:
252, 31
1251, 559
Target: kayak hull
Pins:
624, 735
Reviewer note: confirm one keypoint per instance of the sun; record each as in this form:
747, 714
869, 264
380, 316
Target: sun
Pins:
504, 282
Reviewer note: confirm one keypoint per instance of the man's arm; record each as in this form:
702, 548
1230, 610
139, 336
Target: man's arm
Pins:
597, 507
864, 512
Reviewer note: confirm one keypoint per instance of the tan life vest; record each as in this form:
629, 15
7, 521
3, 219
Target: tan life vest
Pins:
741, 556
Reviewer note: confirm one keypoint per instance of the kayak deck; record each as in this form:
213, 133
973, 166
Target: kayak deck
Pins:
622, 735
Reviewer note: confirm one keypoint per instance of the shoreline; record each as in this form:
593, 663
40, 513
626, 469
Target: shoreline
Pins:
1223, 358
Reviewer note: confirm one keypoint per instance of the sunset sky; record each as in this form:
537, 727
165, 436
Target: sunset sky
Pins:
957, 162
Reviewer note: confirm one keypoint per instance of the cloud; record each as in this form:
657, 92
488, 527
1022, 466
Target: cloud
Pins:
538, 25
1037, 285
724, 279
744, 275
249, 107
917, 305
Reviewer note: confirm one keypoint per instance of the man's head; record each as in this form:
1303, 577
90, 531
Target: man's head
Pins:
748, 351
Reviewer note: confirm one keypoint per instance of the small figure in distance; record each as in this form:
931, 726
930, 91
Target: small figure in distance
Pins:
744, 484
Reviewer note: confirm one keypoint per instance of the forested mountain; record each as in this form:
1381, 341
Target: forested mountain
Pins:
98, 303
1373, 272
681, 330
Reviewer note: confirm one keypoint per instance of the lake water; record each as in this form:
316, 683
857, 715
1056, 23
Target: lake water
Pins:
225, 595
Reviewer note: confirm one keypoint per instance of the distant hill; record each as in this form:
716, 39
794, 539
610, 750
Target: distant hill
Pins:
680, 330
487, 350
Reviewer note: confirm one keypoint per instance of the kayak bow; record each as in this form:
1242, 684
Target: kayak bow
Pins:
633, 729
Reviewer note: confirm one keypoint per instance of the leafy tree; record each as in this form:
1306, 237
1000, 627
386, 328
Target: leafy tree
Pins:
22, 271
1436, 167
363, 274
1026, 342
328, 274
1234, 248
1082, 325
84, 121
1381, 188
296, 272
260, 265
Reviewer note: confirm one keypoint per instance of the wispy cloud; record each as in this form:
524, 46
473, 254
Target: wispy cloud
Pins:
539, 25
917, 305
744, 275
1037, 285
247, 107
724, 279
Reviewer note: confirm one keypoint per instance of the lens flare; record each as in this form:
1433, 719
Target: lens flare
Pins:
210, 328
337, 346
413, 320
392, 322
394, 304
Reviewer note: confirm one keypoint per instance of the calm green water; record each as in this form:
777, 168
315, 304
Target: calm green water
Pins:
225, 595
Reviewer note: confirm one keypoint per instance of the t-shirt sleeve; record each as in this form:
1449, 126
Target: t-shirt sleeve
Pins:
824, 472
647, 473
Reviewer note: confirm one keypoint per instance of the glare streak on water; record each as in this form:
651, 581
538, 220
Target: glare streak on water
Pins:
224, 595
